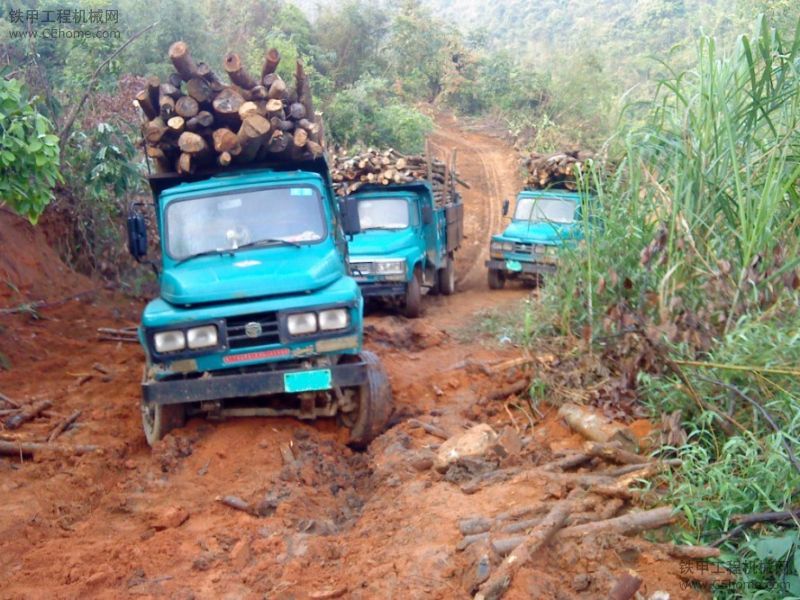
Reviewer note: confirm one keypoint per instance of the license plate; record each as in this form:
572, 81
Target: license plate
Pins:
307, 381
514, 265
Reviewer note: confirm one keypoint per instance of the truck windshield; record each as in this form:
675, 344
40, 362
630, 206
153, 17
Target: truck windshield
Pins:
383, 213
551, 210
230, 221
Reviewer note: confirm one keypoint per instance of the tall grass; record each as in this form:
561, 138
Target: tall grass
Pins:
699, 248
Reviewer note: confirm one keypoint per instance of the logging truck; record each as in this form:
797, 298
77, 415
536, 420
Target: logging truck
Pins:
407, 242
543, 221
257, 314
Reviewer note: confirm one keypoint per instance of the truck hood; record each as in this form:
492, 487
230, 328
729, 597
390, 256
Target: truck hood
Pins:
251, 274
381, 241
541, 233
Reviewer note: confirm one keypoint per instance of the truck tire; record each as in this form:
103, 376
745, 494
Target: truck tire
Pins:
159, 419
374, 404
447, 277
497, 279
412, 307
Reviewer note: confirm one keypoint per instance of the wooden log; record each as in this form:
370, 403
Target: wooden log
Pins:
251, 136
237, 73
628, 524
158, 156
501, 579
277, 90
297, 111
27, 413
200, 121
314, 148
690, 552
259, 92
596, 428
166, 106
226, 141
185, 165
274, 108
278, 142
62, 426
30, 448
625, 586
153, 87
143, 98
249, 108
279, 124
303, 88
182, 60
614, 453
271, 61
204, 71
192, 143
186, 107
224, 159
226, 105
175, 125
199, 89
175, 79
167, 89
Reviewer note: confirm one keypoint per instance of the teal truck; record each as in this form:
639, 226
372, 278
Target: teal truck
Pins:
257, 314
542, 222
407, 243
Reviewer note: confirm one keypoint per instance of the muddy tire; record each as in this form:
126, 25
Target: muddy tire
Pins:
159, 419
447, 277
497, 279
412, 306
374, 404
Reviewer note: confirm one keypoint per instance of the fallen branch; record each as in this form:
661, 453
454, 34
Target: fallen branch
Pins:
767, 517
429, 428
596, 428
614, 453
28, 413
628, 524
500, 580
570, 461
690, 552
29, 448
33, 306
8, 400
510, 364
509, 390
237, 503
62, 426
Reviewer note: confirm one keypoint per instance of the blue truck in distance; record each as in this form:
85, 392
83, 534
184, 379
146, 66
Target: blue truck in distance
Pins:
543, 221
257, 314
407, 242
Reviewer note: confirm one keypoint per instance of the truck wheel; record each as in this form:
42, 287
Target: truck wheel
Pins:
374, 404
159, 419
497, 279
413, 300
447, 277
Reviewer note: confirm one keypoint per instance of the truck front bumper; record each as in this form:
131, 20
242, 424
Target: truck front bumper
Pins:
526, 268
382, 289
245, 385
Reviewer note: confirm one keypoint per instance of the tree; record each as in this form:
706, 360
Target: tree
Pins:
29, 155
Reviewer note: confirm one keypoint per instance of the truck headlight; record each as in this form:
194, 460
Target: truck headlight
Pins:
551, 250
393, 267
169, 341
202, 337
302, 323
335, 318
496, 246
508, 246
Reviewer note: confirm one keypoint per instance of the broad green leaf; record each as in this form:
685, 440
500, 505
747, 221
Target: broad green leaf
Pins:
773, 548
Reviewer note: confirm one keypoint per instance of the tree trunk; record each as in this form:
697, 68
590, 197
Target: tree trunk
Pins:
304, 90
227, 141
143, 98
201, 120
251, 136
199, 89
191, 143
227, 104
237, 73
271, 61
186, 107
155, 130
182, 60
278, 89
185, 164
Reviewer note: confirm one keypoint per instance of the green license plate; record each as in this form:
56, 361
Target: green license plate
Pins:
514, 265
307, 381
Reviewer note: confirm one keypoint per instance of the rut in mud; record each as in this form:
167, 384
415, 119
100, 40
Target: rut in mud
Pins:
321, 521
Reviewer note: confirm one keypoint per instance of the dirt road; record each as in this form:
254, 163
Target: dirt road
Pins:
126, 521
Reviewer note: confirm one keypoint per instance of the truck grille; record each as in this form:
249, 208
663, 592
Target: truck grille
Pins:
523, 248
266, 332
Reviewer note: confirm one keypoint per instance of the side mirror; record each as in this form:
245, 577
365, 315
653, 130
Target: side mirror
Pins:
506, 204
351, 223
137, 235
427, 215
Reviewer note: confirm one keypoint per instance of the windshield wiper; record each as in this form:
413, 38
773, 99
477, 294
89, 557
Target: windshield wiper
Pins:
382, 227
206, 253
268, 242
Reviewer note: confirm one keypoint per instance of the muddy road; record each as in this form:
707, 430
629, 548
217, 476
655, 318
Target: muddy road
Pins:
323, 521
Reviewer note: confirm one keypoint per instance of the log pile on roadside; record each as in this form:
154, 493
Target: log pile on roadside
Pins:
597, 493
385, 167
193, 120
14, 415
554, 170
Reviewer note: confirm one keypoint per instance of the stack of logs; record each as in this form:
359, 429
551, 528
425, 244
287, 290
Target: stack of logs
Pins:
350, 172
554, 170
194, 120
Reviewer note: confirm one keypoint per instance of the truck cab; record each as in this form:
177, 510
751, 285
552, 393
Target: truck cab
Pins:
406, 243
542, 222
257, 314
